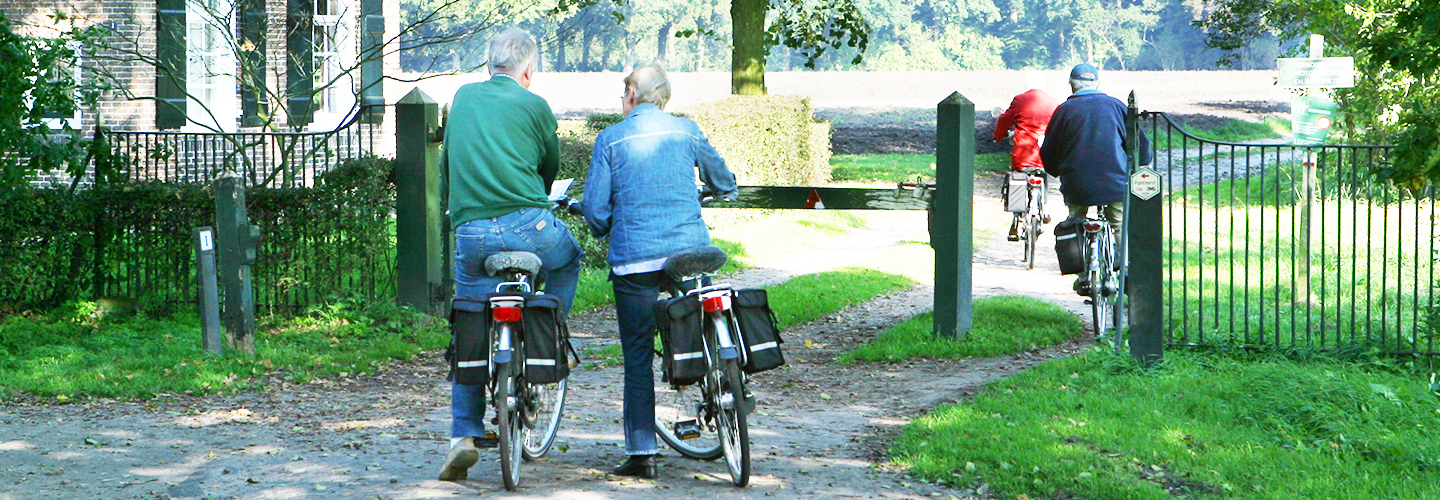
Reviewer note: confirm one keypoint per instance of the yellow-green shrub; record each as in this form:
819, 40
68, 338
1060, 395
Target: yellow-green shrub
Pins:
767, 140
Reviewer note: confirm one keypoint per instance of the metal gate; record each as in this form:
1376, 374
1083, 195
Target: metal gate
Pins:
1273, 245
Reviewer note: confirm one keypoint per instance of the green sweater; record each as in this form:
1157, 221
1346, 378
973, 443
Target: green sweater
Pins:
501, 149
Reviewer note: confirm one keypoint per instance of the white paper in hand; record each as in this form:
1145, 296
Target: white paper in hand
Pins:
559, 188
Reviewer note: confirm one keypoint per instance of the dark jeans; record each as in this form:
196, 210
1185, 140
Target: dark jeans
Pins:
635, 296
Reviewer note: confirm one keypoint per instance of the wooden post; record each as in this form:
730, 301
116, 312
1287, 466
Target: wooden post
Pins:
952, 224
419, 245
1141, 247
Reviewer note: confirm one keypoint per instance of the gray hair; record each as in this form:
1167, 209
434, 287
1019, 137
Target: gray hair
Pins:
651, 85
510, 51
1078, 85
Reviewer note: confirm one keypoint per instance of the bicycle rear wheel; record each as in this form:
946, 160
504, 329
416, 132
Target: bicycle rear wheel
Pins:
683, 419
731, 420
1032, 234
1102, 285
544, 406
507, 410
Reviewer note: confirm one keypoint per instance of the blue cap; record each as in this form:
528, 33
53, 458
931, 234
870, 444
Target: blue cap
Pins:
1084, 71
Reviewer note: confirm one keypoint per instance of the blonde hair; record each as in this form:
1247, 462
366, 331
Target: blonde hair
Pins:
510, 51
651, 85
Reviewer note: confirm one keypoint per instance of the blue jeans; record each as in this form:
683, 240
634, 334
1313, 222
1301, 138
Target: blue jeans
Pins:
533, 230
635, 296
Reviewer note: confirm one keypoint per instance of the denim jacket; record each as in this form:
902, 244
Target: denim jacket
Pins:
641, 190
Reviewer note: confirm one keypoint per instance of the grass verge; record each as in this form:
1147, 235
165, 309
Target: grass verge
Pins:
1232, 130
803, 299
1003, 325
85, 350
903, 167
1202, 425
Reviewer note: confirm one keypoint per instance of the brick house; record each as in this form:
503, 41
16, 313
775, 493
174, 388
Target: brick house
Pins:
229, 65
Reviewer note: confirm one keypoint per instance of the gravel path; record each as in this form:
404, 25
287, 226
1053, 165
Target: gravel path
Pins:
820, 430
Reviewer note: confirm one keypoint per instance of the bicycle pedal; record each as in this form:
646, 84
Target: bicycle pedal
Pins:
489, 441
687, 429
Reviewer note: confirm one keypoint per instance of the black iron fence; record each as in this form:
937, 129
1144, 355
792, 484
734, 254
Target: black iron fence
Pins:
1274, 245
327, 232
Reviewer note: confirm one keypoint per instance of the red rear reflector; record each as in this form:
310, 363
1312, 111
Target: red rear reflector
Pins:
506, 314
716, 303
1035, 181
1092, 226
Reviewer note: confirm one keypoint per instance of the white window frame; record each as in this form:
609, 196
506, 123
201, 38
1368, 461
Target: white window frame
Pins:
74, 121
334, 52
210, 67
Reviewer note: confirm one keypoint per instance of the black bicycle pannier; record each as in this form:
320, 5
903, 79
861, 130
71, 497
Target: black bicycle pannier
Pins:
469, 351
1070, 245
679, 323
758, 327
547, 340
1016, 192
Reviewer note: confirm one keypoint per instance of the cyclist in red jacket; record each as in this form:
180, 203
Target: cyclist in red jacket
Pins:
1029, 113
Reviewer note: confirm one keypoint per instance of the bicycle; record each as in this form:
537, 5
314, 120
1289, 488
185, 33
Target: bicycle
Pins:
527, 415
708, 422
1031, 222
1101, 275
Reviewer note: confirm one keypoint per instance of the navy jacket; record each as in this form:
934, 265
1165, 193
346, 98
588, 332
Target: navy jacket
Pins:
1085, 147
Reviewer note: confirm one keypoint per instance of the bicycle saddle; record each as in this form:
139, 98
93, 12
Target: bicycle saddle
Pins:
693, 261
497, 264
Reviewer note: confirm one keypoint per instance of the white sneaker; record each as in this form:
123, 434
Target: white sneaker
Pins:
457, 464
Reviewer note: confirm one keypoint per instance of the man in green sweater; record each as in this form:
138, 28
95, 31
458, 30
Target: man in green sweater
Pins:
503, 153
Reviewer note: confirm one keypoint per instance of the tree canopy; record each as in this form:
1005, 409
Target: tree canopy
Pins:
1396, 47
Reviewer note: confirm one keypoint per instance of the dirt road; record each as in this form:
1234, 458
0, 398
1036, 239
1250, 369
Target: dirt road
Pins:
820, 430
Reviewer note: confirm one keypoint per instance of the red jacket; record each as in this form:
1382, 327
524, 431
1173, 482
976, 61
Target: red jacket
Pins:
1029, 113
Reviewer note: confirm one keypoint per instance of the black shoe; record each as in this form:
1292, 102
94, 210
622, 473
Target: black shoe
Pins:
642, 466
1081, 287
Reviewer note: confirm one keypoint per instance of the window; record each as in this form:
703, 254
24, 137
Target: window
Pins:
58, 120
210, 66
321, 51
334, 50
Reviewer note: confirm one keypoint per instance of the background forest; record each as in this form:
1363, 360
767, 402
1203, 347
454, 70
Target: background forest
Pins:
919, 35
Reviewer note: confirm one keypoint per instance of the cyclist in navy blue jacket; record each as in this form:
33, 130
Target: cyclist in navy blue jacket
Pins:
1085, 147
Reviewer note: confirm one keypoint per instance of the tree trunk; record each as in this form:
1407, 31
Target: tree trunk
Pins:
560, 55
661, 43
585, 49
747, 60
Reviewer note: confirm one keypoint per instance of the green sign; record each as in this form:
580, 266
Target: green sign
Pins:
1311, 118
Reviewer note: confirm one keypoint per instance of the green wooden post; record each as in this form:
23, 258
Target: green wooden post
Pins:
419, 246
236, 241
952, 224
1143, 244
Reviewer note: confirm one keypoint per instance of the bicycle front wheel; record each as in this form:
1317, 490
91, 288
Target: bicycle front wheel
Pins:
507, 411
544, 405
729, 402
683, 419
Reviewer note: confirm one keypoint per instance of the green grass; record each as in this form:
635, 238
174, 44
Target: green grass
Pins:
809, 297
1234, 267
747, 235
891, 168
1003, 325
86, 350
1198, 426
801, 300
1233, 130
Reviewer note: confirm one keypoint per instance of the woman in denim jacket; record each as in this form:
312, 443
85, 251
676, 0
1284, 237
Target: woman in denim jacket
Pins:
641, 194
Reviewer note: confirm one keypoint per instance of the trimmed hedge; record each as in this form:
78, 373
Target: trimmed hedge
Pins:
768, 140
132, 241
